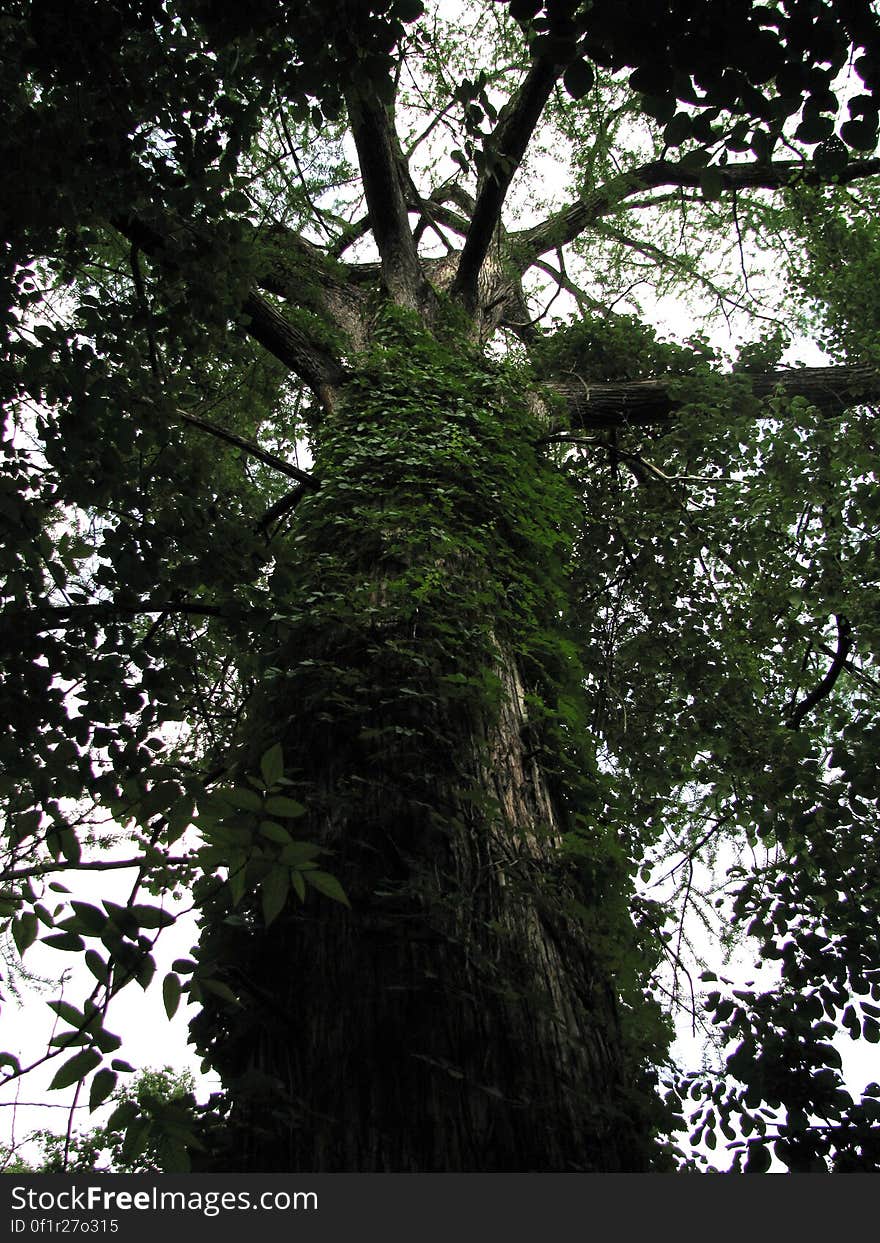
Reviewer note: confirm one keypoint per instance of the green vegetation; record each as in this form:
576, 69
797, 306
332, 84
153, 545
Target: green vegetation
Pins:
550, 678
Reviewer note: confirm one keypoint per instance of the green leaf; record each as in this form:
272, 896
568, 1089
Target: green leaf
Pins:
67, 1012
860, 134
145, 970
24, 931
93, 920
122, 918
102, 1085
107, 1042
272, 764
237, 880
830, 157
297, 853
281, 805
124, 1113
274, 832
97, 966
677, 130
76, 1069
137, 1134
24, 824
243, 798
171, 991
219, 989
524, 10
759, 1159
328, 885
273, 893
69, 1040
174, 1157
70, 845
152, 916
409, 10
578, 79
814, 129
64, 941
660, 107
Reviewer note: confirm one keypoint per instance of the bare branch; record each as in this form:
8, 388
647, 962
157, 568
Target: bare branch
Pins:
292, 346
253, 450
93, 865
826, 686
381, 165
291, 149
351, 234
281, 508
505, 147
568, 223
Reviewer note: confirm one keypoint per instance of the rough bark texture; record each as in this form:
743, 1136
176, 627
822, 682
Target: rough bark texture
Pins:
643, 402
456, 1018
453, 1020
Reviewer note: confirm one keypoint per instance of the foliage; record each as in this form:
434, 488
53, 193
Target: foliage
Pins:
150, 1129
511, 689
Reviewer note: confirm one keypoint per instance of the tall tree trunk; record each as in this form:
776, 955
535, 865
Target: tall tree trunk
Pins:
458, 1016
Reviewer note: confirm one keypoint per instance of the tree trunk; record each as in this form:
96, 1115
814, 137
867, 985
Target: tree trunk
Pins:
457, 1017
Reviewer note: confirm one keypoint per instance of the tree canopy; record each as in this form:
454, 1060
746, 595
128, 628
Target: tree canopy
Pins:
562, 639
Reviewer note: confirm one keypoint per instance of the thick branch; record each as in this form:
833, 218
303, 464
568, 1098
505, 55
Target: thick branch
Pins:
293, 347
380, 162
565, 225
826, 686
640, 403
281, 508
506, 147
310, 360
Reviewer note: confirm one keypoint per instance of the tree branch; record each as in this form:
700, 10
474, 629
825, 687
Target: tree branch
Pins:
53, 616
309, 359
641, 403
253, 450
93, 865
380, 163
280, 509
505, 147
321, 370
826, 686
568, 223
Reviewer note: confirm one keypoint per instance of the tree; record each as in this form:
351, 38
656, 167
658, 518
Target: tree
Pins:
558, 605
149, 1130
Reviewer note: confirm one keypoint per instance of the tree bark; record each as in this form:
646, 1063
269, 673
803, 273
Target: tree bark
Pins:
457, 1017
640, 403
450, 1022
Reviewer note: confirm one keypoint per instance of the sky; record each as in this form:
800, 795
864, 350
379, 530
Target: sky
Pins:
150, 1039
